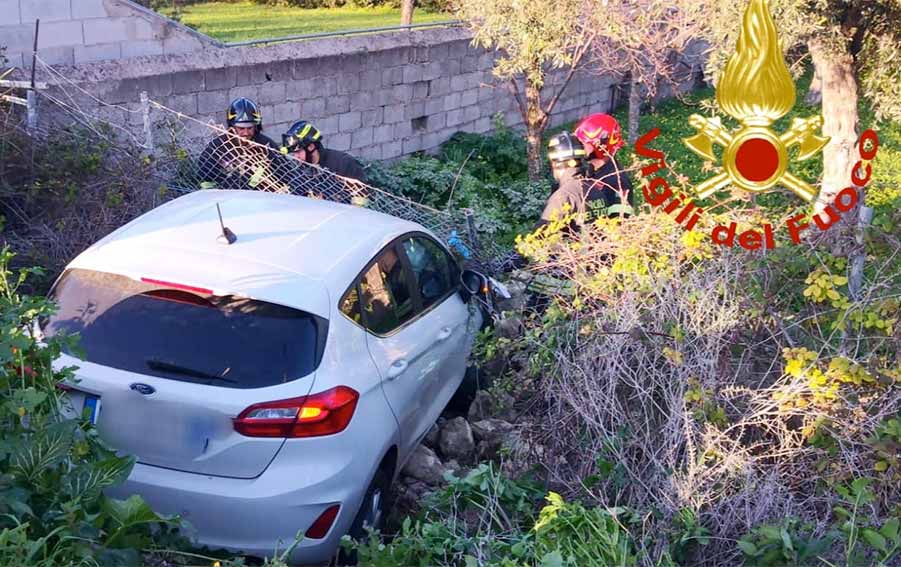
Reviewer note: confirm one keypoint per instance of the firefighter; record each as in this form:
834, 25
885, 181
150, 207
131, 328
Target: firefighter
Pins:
240, 157
578, 194
303, 141
601, 137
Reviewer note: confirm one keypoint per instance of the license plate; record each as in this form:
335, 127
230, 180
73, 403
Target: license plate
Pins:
92, 405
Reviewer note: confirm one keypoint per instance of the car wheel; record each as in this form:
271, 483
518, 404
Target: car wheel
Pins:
371, 514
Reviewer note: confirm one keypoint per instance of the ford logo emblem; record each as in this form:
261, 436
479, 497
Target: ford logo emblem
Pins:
145, 389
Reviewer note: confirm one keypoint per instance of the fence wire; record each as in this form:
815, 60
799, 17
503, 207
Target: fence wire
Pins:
183, 154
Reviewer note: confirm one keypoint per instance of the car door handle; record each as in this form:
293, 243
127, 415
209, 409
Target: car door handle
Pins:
396, 369
445, 333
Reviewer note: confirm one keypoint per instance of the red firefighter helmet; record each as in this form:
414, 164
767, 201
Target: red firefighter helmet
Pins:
601, 134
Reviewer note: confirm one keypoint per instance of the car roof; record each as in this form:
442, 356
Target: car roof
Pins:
291, 250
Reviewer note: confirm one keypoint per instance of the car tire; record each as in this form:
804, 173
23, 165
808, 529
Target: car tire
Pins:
373, 510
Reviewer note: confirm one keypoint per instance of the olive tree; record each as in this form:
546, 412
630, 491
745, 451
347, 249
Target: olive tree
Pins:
855, 46
531, 40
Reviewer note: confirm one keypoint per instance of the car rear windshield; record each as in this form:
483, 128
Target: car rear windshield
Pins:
171, 333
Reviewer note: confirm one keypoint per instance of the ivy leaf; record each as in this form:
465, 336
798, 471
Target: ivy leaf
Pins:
552, 559
747, 548
875, 539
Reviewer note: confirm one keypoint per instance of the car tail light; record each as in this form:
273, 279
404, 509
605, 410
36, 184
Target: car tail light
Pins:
323, 523
324, 413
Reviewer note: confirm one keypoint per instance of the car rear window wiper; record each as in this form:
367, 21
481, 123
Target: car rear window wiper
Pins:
162, 366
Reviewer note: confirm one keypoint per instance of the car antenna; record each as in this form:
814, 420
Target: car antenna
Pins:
227, 235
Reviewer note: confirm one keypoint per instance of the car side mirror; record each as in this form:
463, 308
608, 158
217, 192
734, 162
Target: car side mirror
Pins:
473, 283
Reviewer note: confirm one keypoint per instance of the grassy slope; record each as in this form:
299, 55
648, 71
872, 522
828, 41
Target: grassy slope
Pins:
239, 21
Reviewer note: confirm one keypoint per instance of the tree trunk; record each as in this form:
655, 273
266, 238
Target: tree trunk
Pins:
406, 12
814, 94
536, 121
634, 108
839, 90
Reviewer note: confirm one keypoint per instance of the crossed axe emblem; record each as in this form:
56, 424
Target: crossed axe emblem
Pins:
756, 158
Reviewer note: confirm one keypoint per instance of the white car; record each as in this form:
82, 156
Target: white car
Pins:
275, 385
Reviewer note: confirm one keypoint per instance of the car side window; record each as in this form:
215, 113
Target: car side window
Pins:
350, 305
434, 270
387, 301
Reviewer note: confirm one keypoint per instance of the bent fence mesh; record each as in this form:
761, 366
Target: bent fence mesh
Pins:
177, 154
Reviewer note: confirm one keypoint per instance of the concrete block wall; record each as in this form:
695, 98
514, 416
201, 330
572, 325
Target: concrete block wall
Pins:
73, 32
379, 96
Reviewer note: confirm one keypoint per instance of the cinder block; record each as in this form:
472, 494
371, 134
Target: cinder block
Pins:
433, 70
54, 56
348, 83
469, 97
373, 116
371, 80
272, 93
455, 117
487, 92
328, 86
402, 93
438, 51
248, 91
60, 34
361, 137
11, 12
470, 63
452, 67
382, 134
458, 83
304, 88
340, 142
327, 125
471, 113
437, 121
420, 90
45, 10
218, 79
439, 86
392, 149
412, 73
414, 110
17, 38
349, 121
106, 30
482, 125
187, 82
392, 76
412, 144
129, 90
141, 48
84, 9
452, 101
474, 80
102, 52
394, 113
306, 68
402, 130
16, 60
363, 100
313, 108
434, 139
184, 103
458, 49
284, 112
176, 45
337, 104
434, 105
213, 102
370, 153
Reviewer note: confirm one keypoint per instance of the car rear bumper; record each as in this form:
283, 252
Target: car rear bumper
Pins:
257, 516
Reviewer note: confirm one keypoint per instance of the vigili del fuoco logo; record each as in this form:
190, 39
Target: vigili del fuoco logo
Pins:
756, 89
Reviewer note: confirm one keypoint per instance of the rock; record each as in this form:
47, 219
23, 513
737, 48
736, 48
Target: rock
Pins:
490, 429
490, 434
456, 441
453, 467
431, 438
491, 405
517, 301
425, 465
508, 327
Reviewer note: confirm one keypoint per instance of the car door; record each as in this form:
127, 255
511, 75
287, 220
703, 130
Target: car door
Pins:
401, 345
436, 279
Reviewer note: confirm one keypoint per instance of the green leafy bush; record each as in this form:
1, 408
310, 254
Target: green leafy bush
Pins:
54, 469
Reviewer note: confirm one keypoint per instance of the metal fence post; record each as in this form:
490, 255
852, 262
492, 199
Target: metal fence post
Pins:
471, 231
31, 99
145, 113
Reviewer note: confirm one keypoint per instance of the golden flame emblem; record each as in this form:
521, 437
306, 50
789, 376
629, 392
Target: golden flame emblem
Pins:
756, 89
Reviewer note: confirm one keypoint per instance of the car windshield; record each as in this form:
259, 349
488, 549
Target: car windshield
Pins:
152, 329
